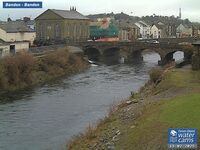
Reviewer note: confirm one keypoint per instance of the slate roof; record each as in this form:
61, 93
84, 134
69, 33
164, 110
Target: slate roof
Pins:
67, 14
30, 22
142, 23
15, 26
187, 25
125, 24
162, 27
95, 23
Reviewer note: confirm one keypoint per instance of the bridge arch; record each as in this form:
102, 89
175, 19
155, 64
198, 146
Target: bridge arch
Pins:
150, 56
111, 51
167, 55
93, 53
111, 55
131, 50
137, 55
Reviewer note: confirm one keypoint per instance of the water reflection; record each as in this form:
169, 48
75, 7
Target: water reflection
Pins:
12, 97
178, 55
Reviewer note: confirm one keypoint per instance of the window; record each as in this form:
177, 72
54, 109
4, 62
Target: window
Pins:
67, 29
49, 27
57, 30
75, 30
41, 31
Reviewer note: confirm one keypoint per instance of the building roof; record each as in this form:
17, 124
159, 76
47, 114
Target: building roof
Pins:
95, 23
101, 24
69, 14
125, 24
142, 23
15, 26
159, 26
30, 22
186, 25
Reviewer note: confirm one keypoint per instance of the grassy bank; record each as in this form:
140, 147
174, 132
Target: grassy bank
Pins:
24, 70
172, 101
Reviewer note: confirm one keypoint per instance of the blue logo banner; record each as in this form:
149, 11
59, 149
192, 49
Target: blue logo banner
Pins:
182, 138
17, 4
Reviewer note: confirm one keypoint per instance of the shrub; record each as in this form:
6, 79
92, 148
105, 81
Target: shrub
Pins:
18, 69
22, 70
90, 132
58, 58
11, 71
26, 66
3, 79
155, 75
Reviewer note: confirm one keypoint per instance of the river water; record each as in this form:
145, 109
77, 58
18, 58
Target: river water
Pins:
45, 117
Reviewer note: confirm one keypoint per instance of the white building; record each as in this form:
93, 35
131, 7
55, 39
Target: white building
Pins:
16, 31
184, 31
145, 29
158, 31
12, 48
4, 49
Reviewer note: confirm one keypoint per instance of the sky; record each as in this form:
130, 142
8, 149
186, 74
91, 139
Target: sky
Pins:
190, 8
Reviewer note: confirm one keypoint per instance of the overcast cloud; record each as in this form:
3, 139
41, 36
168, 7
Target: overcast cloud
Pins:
190, 8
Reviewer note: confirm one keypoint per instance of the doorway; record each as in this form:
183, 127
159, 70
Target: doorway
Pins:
12, 49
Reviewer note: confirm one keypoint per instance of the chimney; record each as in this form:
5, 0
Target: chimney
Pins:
180, 15
72, 8
26, 19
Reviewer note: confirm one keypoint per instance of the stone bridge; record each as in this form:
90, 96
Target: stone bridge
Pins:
132, 50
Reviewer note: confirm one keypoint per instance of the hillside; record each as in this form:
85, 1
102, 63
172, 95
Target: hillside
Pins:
148, 19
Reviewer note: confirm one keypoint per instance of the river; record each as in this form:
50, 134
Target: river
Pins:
45, 117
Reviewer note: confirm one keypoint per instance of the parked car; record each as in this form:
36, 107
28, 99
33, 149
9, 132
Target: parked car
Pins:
154, 42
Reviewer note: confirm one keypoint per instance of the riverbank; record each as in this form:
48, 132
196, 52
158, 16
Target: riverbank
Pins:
25, 70
142, 121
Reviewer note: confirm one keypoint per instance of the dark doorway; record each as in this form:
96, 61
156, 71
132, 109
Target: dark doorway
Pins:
12, 49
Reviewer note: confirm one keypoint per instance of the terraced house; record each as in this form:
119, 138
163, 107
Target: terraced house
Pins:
16, 31
62, 25
15, 37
